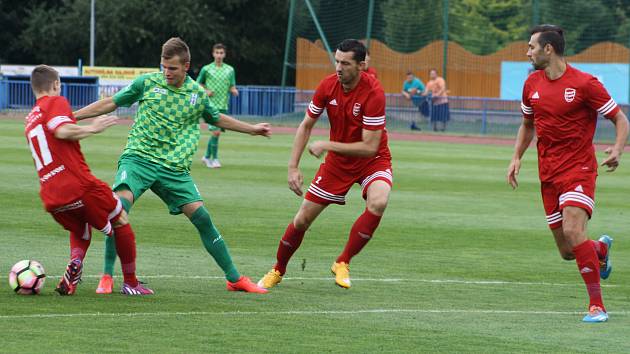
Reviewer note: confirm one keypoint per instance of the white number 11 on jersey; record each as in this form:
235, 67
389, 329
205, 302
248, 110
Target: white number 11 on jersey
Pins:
38, 132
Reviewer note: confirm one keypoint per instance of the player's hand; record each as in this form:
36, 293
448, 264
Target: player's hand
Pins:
209, 93
317, 148
101, 123
612, 161
263, 129
513, 170
295, 180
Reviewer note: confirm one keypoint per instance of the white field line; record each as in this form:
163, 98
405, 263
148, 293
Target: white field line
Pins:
304, 313
376, 280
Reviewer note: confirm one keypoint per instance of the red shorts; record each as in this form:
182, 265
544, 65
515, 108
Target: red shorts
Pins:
97, 208
576, 190
331, 184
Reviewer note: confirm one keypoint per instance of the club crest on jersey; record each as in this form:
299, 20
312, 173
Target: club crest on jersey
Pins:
356, 109
193, 98
569, 94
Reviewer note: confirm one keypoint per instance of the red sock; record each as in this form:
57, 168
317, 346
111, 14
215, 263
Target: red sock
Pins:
79, 246
601, 249
289, 243
588, 264
126, 249
360, 235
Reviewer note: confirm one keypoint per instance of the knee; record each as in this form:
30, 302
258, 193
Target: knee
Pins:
301, 222
567, 255
377, 205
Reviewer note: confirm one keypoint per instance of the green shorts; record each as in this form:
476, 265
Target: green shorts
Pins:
138, 174
214, 128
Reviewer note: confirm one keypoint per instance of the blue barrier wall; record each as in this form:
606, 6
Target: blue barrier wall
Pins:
286, 106
16, 93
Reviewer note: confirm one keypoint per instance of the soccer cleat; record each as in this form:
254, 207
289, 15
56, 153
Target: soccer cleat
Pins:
216, 163
271, 279
595, 314
206, 161
244, 284
71, 277
342, 274
605, 266
137, 290
105, 285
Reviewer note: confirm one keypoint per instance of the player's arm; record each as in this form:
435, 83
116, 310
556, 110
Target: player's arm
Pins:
303, 134
233, 91
201, 79
523, 139
73, 131
230, 123
98, 108
621, 136
367, 147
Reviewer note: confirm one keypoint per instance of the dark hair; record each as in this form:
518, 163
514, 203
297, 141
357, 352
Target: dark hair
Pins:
433, 69
550, 34
43, 77
176, 47
218, 46
409, 72
356, 47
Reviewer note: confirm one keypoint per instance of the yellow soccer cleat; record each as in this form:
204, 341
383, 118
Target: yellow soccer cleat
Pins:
342, 274
271, 279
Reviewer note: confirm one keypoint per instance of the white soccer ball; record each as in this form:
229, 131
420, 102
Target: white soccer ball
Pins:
27, 277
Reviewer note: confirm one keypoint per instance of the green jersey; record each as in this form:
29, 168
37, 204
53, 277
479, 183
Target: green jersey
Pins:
166, 126
218, 79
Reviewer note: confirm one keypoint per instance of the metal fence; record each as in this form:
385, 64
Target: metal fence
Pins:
286, 106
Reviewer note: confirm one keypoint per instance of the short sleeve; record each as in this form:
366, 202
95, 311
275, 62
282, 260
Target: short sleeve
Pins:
201, 79
320, 99
130, 94
374, 111
233, 78
210, 113
59, 113
598, 99
526, 106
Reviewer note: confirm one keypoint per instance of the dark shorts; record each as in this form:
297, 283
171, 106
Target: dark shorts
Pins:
175, 188
440, 113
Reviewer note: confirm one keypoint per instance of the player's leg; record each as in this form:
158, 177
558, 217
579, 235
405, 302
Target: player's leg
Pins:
126, 250
133, 178
217, 248
214, 141
291, 241
180, 193
376, 185
71, 217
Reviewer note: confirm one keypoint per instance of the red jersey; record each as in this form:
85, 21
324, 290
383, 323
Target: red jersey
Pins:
565, 114
63, 174
371, 71
349, 113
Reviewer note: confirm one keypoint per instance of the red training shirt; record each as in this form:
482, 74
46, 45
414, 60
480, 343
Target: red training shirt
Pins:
63, 174
565, 114
349, 113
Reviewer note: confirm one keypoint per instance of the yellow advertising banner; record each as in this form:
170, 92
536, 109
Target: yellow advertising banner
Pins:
118, 74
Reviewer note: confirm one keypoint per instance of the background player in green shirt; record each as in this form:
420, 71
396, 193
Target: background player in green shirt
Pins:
218, 79
160, 147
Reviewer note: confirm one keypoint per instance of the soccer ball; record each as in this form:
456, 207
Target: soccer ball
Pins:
27, 277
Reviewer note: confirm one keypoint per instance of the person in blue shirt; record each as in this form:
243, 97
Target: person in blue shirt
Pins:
413, 88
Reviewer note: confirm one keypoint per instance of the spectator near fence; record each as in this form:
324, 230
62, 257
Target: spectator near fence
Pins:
440, 113
413, 87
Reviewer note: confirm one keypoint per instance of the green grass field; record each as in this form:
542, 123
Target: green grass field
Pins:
460, 263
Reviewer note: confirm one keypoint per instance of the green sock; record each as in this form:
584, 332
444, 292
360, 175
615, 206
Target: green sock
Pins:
110, 244
214, 244
214, 146
208, 154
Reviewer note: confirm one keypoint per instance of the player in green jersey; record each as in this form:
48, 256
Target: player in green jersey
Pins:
218, 79
160, 147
